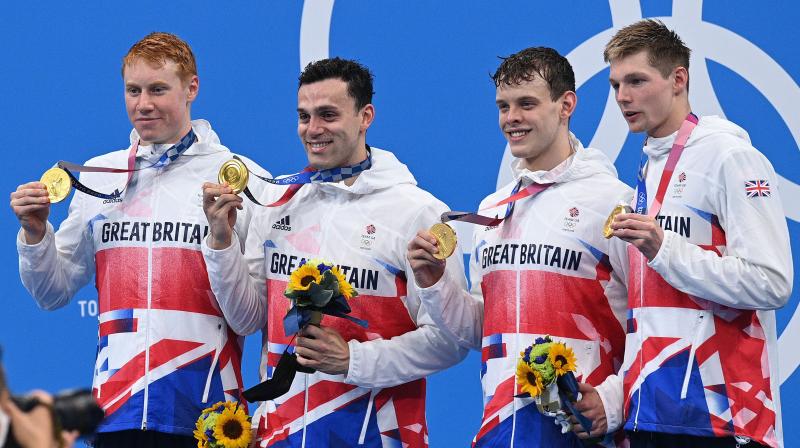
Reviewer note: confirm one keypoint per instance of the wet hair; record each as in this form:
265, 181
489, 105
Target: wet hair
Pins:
158, 48
357, 76
665, 49
531, 62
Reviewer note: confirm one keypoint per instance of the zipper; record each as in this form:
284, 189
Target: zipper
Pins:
305, 410
153, 198
214, 361
516, 350
641, 339
685, 388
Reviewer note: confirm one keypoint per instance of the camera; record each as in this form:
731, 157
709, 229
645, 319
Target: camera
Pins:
73, 410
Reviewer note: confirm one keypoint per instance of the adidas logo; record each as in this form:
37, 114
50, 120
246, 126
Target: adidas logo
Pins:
283, 224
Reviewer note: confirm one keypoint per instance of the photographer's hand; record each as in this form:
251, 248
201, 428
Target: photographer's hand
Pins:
33, 429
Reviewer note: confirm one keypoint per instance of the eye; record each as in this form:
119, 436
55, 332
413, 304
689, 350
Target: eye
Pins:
132, 91
615, 86
302, 117
159, 90
328, 116
528, 105
503, 107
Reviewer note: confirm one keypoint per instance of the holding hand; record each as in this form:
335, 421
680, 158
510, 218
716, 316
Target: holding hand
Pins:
640, 230
31, 204
591, 406
220, 205
427, 269
323, 349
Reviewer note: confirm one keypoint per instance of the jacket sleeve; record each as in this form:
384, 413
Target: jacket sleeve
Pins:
458, 313
417, 353
238, 280
55, 268
755, 270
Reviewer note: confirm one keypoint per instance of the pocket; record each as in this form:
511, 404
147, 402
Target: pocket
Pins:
700, 323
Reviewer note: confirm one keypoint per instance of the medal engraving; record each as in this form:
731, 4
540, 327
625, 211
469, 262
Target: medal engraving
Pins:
445, 239
608, 232
58, 184
235, 174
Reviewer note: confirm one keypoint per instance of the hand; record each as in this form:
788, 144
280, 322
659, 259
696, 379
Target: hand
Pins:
220, 205
32, 429
427, 269
323, 349
640, 230
31, 204
591, 406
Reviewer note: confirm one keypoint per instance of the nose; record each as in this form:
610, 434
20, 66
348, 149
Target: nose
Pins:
622, 94
144, 104
315, 126
513, 115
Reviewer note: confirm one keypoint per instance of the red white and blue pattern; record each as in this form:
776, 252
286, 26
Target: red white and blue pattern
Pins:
757, 188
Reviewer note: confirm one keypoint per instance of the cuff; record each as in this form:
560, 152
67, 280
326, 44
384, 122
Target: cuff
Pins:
660, 263
220, 255
610, 392
33, 253
356, 361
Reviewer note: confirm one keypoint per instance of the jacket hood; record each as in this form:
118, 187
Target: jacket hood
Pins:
205, 135
585, 162
711, 125
386, 171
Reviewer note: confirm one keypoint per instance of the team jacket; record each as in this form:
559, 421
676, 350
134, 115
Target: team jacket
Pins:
543, 271
701, 355
165, 351
365, 229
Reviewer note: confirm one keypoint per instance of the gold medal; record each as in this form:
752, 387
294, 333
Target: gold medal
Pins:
445, 239
235, 174
608, 232
58, 184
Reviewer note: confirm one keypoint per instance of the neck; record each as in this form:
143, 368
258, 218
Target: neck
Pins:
551, 157
358, 155
673, 122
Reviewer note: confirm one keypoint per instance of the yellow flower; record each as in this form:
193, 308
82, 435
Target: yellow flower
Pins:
562, 358
528, 379
232, 429
200, 433
302, 277
345, 288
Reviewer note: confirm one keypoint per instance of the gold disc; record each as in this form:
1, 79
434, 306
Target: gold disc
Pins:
58, 184
608, 232
235, 174
445, 239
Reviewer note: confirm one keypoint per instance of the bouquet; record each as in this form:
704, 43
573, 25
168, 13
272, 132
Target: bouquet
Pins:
223, 425
315, 288
545, 373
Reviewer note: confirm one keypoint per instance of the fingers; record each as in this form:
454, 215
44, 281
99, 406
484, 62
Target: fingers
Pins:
33, 193
422, 248
218, 200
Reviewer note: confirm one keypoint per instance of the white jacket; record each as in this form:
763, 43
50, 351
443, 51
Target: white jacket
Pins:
701, 331
365, 229
543, 271
165, 350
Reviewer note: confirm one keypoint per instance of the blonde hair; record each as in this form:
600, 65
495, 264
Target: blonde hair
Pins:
665, 49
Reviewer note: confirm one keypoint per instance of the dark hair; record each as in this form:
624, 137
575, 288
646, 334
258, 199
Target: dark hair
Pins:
665, 49
357, 77
531, 62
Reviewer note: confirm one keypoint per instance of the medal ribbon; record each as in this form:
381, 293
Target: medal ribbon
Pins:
169, 156
308, 176
672, 161
474, 218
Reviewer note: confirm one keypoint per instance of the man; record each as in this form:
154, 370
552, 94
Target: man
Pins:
544, 269
369, 388
709, 261
165, 350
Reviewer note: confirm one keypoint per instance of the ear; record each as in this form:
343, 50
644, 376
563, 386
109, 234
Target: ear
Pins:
568, 100
367, 116
681, 83
193, 88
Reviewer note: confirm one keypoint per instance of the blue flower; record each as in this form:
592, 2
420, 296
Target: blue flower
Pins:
540, 341
540, 359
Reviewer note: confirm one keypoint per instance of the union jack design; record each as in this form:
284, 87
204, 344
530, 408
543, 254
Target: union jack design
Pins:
757, 188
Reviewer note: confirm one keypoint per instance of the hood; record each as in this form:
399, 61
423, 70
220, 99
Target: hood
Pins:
585, 162
202, 129
386, 171
711, 125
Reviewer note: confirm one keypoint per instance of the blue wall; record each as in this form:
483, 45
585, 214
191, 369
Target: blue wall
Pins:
62, 98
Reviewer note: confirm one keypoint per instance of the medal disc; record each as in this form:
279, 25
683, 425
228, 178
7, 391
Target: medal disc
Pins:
608, 232
445, 239
58, 184
235, 174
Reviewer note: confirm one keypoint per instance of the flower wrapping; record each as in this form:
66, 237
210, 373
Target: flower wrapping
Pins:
317, 287
223, 425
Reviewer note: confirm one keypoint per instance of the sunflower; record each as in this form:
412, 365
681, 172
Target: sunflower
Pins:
232, 429
528, 379
302, 277
562, 358
345, 288
200, 433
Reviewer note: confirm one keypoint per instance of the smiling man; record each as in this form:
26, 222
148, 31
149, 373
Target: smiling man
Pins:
165, 351
544, 270
709, 261
369, 388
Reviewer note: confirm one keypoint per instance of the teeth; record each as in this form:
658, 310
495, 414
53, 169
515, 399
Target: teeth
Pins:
319, 144
518, 133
